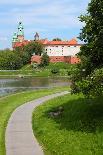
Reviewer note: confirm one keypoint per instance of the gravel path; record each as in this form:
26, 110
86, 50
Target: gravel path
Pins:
19, 137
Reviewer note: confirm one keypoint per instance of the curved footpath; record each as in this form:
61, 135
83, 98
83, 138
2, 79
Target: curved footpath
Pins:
19, 138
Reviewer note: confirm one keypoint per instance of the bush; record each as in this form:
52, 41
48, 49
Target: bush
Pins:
91, 86
55, 71
44, 60
9, 60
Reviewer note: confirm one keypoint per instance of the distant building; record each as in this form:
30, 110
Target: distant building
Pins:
58, 51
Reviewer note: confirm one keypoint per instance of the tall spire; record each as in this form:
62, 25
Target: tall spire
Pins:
20, 32
20, 29
36, 37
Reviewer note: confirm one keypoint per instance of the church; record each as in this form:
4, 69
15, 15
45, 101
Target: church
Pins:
58, 51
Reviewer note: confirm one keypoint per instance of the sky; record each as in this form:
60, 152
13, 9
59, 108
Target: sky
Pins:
50, 18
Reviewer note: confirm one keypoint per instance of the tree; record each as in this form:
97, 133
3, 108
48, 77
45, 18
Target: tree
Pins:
91, 53
9, 60
92, 34
25, 52
44, 60
57, 39
34, 47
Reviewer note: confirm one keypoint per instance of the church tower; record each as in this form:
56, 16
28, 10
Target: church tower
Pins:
14, 39
20, 33
36, 37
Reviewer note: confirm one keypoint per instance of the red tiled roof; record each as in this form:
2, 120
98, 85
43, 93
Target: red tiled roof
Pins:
71, 42
19, 44
46, 42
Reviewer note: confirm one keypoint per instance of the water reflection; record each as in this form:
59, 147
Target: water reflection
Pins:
8, 86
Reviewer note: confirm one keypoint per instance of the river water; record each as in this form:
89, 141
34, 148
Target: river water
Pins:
8, 86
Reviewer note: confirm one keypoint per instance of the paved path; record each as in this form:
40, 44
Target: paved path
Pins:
19, 136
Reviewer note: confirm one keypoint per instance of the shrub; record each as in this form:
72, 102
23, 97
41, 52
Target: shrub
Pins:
44, 60
91, 86
55, 71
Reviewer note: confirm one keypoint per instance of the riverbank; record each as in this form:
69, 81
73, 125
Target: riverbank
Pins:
9, 103
77, 130
56, 69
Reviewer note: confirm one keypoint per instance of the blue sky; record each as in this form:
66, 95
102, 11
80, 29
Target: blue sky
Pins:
50, 18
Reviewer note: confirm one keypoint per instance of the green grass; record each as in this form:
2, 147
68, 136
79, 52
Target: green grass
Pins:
27, 70
60, 65
9, 103
78, 131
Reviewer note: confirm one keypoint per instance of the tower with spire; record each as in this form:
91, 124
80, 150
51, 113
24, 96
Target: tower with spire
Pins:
36, 37
18, 36
20, 33
14, 39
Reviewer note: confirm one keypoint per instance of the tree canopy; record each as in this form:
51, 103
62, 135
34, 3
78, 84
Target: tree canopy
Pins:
57, 39
44, 60
91, 54
11, 60
92, 35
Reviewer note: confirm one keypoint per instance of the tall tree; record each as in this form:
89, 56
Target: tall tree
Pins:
44, 60
92, 34
89, 77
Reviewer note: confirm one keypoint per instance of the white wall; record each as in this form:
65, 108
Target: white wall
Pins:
59, 50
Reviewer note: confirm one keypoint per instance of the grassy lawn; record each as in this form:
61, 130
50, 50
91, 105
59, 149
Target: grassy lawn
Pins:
9, 103
27, 70
77, 131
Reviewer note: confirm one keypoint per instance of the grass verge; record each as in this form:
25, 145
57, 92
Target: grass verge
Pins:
64, 69
9, 103
77, 131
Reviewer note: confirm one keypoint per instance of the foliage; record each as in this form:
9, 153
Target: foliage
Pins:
92, 85
92, 34
34, 47
44, 60
91, 53
57, 39
55, 70
28, 50
12, 60
9, 60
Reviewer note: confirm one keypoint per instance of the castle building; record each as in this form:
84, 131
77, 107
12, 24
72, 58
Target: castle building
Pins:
58, 51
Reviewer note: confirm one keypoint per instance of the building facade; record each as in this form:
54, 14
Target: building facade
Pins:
58, 51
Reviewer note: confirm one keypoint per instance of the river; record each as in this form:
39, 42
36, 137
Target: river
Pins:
8, 86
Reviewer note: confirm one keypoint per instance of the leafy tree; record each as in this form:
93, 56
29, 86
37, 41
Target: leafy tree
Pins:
25, 52
34, 47
92, 34
91, 53
44, 60
57, 39
9, 60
